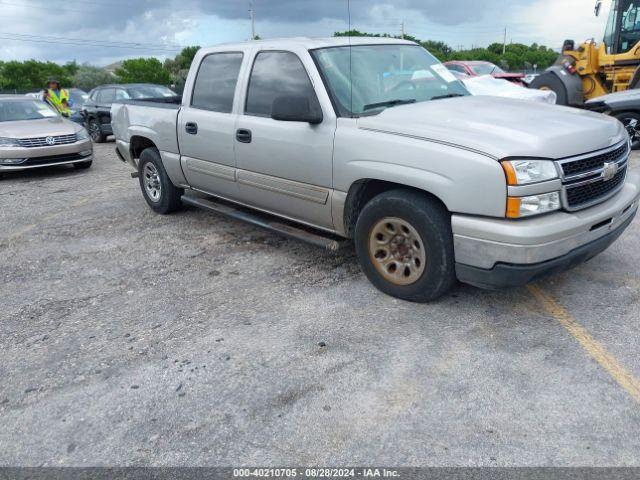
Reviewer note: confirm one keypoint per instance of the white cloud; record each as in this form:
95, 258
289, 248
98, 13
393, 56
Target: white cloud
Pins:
206, 22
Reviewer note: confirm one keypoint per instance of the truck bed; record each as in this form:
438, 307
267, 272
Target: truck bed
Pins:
153, 118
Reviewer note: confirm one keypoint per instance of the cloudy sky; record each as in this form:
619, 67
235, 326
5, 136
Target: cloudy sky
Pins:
103, 31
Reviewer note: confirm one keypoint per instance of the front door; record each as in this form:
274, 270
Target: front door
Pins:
284, 167
206, 127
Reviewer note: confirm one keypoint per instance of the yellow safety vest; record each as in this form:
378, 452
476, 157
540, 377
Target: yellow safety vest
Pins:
56, 101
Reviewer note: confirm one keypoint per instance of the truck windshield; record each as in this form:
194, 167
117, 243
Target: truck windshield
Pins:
366, 79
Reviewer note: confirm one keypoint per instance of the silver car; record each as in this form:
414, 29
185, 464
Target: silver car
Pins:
33, 135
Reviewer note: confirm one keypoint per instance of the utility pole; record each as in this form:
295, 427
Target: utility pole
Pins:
504, 44
252, 14
402, 30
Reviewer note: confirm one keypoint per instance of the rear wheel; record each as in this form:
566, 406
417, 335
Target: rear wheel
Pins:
549, 81
405, 246
628, 119
95, 131
161, 195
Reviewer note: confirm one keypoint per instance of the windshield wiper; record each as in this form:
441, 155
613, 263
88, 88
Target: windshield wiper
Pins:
389, 103
448, 95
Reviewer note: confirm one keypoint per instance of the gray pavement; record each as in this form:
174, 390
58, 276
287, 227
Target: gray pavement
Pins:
128, 338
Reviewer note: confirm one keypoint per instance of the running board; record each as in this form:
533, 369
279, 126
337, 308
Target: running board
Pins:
306, 234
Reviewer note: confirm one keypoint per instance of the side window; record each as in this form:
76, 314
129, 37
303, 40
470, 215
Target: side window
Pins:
277, 74
216, 81
456, 68
107, 95
122, 94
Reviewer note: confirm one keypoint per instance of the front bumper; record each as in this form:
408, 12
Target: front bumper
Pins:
493, 253
40, 157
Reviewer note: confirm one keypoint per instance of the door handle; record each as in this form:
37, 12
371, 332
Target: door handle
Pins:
243, 135
191, 128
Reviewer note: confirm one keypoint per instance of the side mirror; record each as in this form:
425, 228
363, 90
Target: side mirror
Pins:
598, 8
295, 109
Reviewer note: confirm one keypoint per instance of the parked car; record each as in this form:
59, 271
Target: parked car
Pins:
33, 135
97, 109
488, 85
625, 106
477, 68
430, 183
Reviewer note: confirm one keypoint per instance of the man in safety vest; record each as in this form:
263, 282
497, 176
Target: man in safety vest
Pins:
57, 97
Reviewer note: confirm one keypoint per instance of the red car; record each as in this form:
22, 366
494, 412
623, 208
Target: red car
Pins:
477, 68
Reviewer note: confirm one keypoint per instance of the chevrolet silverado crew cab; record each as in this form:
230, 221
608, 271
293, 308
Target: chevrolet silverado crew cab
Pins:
375, 141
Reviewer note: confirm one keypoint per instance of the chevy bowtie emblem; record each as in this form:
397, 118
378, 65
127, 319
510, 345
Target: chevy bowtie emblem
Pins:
609, 171
50, 140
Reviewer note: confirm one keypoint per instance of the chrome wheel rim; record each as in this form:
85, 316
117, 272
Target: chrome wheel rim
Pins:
94, 131
634, 134
151, 179
397, 251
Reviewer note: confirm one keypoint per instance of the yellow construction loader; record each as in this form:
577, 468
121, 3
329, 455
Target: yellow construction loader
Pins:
593, 70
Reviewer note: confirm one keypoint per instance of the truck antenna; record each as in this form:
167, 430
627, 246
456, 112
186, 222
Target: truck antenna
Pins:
350, 63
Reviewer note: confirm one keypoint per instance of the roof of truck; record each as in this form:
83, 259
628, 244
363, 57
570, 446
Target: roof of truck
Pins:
311, 43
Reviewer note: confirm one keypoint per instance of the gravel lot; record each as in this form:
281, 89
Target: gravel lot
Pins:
129, 338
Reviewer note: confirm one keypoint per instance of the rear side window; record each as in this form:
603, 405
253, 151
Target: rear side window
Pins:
106, 95
277, 74
122, 94
216, 82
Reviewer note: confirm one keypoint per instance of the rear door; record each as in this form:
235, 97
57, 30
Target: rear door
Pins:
206, 126
285, 167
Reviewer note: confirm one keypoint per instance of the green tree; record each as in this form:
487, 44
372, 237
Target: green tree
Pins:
143, 70
88, 77
516, 56
182, 61
33, 74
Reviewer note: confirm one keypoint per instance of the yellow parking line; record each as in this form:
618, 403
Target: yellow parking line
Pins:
24, 230
600, 354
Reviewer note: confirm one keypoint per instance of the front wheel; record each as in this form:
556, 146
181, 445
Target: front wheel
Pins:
549, 81
95, 131
404, 245
161, 195
82, 165
631, 122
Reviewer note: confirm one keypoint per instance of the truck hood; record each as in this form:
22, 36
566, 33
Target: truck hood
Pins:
38, 128
501, 127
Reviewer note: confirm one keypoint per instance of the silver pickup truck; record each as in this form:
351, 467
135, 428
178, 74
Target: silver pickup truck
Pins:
373, 140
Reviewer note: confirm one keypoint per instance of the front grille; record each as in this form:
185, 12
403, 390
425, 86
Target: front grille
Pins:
52, 159
53, 140
593, 163
583, 195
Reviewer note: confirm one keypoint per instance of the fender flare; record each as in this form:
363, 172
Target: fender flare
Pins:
572, 83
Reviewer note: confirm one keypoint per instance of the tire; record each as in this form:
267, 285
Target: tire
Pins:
415, 217
625, 117
161, 195
95, 131
83, 165
549, 81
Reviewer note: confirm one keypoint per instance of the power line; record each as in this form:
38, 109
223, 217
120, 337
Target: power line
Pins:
79, 43
95, 43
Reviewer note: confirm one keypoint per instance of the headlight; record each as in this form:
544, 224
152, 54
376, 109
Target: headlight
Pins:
82, 134
9, 142
524, 172
519, 207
